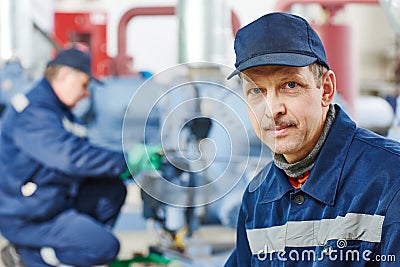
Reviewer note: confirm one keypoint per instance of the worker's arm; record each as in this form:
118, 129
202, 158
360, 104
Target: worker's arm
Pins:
390, 245
40, 133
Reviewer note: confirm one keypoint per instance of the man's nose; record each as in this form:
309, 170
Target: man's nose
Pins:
275, 105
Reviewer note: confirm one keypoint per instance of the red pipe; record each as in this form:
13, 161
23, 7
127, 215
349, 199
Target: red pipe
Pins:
135, 12
235, 22
338, 45
122, 61
284, 5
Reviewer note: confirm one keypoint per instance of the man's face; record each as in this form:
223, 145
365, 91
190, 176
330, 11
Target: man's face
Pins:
286, 108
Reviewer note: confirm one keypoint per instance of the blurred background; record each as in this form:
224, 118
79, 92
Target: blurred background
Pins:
136, 36
138, 45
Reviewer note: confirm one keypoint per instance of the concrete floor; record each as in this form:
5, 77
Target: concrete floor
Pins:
136, 235
134, 242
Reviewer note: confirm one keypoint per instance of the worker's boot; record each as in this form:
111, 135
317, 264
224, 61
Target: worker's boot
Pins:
10, 257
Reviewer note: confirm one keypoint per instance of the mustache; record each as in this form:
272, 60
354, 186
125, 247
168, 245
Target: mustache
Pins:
271, 125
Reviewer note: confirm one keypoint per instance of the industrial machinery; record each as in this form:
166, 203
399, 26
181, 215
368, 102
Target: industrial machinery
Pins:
201, 121
209, 148
191, 109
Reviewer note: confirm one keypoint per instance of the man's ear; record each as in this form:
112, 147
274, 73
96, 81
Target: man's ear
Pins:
59, 77
328, 87
58, 81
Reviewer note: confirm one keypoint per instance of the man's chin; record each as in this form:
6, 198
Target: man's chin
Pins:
282, 150
279, 147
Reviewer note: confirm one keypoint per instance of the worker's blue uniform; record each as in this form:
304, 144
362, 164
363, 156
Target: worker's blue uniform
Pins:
57, 190
346, 213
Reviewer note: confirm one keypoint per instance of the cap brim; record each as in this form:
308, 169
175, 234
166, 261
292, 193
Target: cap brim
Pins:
282, 59
235, 72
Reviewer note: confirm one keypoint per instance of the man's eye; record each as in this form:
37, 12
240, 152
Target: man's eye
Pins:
291, 85
255, 91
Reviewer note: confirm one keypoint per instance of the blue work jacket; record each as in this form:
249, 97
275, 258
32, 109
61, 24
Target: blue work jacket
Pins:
347, 213
44, 156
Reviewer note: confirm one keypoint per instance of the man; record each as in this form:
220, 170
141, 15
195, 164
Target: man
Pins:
59, 194
330, 197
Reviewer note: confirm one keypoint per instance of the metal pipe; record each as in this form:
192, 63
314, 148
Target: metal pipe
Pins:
122, 61
204, 27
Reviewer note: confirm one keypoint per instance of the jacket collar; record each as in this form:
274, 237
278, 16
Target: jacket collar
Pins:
325, 175
274, 188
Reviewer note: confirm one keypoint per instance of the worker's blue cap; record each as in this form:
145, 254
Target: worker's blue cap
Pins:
74, 58
277, 39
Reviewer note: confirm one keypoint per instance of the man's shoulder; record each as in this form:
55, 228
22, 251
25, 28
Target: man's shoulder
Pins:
375, 142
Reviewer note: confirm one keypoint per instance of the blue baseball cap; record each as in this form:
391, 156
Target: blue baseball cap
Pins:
76, 59
277, 39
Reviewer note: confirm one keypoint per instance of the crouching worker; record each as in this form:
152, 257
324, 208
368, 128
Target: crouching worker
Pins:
59, 194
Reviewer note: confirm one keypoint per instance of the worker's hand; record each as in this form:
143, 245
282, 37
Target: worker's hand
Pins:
144, 158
